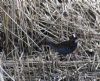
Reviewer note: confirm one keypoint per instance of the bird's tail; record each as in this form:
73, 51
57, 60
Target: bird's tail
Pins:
51, 44
47, 42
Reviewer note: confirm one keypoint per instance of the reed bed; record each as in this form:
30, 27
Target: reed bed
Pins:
21, 22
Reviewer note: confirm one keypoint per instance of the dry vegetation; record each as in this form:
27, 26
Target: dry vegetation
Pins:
21, 25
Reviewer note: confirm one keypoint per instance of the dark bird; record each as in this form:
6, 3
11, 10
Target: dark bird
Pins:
65, 47
90, 52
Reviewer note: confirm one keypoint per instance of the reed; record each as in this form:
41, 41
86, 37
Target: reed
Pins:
21, 24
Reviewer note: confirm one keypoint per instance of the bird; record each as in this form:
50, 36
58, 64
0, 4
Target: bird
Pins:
90, 52
65, 47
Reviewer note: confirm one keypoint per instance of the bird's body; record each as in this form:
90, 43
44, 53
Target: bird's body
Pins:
66, 47
63, 48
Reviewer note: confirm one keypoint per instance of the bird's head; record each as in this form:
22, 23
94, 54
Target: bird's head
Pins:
73, 37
